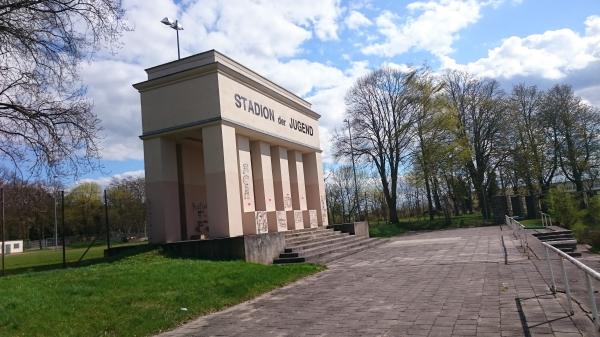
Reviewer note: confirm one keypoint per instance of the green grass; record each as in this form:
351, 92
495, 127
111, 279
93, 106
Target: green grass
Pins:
52, 258
386, 229
532, 223
136, 296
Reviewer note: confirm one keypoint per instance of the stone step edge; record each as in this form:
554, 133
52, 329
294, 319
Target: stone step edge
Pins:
337, 248
322, 244
293, 233
308, 238
358, 249
317, 242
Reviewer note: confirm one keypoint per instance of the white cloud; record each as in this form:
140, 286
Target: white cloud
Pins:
259, 28
402, 67
117, 105
550, 55
356, 20
591, 95
256, 33
432, 26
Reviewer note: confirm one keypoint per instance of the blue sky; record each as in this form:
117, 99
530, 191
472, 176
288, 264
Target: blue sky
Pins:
317, 49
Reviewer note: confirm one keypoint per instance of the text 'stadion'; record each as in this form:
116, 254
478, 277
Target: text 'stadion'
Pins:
265, 112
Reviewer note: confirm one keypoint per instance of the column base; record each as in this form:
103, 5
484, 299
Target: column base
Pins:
256, 222
294, 220
310, 218
277, 221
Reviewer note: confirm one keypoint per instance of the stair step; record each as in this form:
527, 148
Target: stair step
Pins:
304, 239
545, 234
568, 249
316, 255
574, 254
306, 231
562, 243
328, 246
317, 242
289, 260
287, 254
556, 238
332, 257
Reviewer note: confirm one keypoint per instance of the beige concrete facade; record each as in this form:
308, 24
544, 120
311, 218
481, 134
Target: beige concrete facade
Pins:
227, 152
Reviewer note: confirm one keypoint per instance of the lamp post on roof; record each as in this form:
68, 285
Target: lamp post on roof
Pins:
175, 25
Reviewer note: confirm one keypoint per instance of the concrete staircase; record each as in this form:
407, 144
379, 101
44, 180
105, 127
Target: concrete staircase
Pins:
560, 238
322, 245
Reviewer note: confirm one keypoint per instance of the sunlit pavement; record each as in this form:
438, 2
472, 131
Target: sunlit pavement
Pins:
443, 283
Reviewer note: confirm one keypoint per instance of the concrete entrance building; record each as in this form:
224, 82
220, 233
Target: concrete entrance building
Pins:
227, 152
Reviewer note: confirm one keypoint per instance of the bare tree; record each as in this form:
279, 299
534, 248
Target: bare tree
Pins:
429, 130
577, 129
535, 156
381, 114
45, 119
479, 105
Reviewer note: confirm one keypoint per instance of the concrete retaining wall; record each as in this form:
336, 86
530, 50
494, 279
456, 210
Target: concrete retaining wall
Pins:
259, 248
360, 228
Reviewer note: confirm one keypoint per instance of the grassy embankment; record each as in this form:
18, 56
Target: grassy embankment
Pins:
135, 296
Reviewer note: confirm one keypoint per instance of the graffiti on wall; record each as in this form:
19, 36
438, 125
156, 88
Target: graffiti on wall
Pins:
262, 223
201, 221
281, 221
288, 201
246, 184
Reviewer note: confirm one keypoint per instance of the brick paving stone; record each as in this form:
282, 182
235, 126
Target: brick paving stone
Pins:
444, 283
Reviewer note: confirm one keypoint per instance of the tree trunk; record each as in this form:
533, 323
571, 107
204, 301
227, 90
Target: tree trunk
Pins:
428, 190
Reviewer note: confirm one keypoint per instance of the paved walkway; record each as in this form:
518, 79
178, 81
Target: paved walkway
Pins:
445, 283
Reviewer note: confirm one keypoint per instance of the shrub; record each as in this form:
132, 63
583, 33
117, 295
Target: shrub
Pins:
592, 214
563, 207
581, 232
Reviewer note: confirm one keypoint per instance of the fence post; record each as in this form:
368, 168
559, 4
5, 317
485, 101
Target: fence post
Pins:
2, 230
590, 289
553, 289
106, 221
62, 220
567, 286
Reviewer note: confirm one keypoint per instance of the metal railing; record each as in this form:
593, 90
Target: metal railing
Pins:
546, 219
518, 231
590, 275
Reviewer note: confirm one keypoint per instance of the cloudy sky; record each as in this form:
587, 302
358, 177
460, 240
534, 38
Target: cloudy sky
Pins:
318, 48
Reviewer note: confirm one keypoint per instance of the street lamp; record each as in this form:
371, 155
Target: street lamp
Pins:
175, 25
353, 168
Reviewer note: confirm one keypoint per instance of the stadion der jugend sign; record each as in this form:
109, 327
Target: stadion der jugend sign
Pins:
265, 112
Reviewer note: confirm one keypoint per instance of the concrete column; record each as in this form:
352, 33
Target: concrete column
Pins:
296, 167
281, 178
295, 218
264, 195
263, 219
162, 198
281, 184
195, 190
222, 181
246, 180
315, 186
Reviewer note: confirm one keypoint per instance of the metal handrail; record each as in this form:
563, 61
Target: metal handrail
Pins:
594, 274
589, 272
518, 232
546, 219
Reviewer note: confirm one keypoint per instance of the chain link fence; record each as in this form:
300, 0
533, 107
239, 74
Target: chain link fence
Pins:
44, 230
